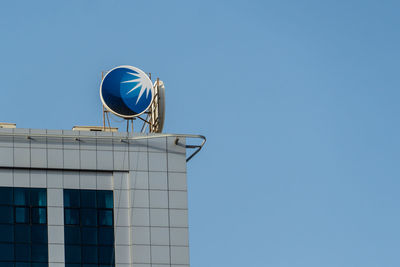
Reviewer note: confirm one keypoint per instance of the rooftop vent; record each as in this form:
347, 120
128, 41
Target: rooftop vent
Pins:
8, 125
94, 129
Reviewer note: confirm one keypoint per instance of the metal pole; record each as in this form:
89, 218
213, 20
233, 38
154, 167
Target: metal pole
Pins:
104, 116
108, 120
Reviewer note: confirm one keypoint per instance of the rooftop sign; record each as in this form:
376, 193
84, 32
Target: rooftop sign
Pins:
126, 91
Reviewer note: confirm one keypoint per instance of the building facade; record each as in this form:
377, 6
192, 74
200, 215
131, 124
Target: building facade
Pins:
92, 199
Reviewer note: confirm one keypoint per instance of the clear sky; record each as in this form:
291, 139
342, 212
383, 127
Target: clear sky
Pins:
299, 101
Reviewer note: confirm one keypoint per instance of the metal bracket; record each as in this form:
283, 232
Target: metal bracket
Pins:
197, 147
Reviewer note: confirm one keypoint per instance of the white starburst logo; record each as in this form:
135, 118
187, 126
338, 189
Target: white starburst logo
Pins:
142, 82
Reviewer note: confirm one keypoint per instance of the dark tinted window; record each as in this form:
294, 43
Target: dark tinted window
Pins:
39, 253
105, 217
6, 252
88, 199
105, 199
106, 236
22, 233
72, 254
89, 231
22, 252
72, 235
71, 216
21, 196
89, 235
71, 198
39, 215
6, 233
22, 215
106, 255
23, 227
38, 197
89, 217
39, 233
6, 196
89, 254
6, 214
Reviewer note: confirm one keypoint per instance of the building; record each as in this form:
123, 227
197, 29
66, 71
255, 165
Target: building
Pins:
92, 199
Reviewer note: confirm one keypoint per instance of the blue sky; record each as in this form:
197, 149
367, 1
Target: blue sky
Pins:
298, 100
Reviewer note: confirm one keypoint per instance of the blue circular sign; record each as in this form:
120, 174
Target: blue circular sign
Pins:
126, 91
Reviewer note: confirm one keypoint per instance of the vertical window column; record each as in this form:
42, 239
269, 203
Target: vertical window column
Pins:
89, 228
23, 227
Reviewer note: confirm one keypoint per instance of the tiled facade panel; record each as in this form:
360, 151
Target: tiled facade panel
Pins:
147, 177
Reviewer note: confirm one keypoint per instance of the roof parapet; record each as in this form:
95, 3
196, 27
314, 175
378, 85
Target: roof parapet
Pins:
95, 129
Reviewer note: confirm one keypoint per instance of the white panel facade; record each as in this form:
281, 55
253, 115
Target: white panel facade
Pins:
147, 176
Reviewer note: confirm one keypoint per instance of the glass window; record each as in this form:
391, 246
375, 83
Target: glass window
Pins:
89, 217
39, 215
89, 254
89, 235
105, 199
21, 196
72, 216
38, 197
87, 226
105, 217
39, 233
71, 198
22, 252
22, 233
106, 254
88, 198
6, 214
106, 236
22, 215
39, 253
6, 252
72, 254
72, 234
23, 227
6, 233
6, 196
